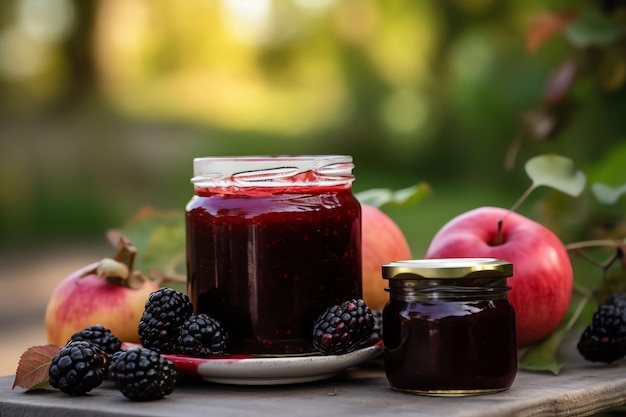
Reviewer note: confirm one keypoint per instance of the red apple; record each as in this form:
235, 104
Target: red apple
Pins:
81, 301
108, 293
382, 242
541, 287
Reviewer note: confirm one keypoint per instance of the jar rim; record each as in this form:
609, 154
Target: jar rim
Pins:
271, 171
447, 268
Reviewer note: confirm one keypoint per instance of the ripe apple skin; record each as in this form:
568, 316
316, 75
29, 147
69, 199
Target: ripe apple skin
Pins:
78, 302
382, 242
541, 287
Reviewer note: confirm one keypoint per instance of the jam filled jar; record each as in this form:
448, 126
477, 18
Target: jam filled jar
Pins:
272, 242
448, 328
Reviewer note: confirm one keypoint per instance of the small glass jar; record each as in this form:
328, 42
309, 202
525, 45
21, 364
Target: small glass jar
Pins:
448, 327
272, 242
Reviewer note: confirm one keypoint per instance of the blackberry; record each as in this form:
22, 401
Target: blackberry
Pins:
343, 328
605, 339
202, 335
142, 374
618, 299
377, 331
99, 336
78, 368
165, 312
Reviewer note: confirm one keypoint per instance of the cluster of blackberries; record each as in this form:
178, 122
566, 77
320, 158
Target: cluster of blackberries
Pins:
168, 325
343, 328
94, 354
604, 340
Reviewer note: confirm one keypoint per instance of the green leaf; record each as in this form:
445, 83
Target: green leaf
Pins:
606, 194
544, 356
592, 28
557, 172
404, 197
166, 250
159, 237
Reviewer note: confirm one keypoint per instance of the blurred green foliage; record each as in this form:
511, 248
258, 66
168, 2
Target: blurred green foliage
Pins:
104, 104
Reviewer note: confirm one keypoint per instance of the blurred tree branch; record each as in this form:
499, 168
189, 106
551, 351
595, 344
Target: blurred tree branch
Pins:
78, 50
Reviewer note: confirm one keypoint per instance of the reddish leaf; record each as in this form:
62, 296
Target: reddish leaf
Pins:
560, 83
32, 370
544, 26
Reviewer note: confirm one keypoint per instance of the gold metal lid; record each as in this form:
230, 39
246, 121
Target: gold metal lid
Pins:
448, 268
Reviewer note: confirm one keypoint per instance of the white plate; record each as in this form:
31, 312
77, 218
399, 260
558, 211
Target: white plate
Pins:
246, 370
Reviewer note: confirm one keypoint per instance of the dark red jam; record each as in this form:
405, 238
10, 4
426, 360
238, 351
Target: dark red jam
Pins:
450, 347
266, 261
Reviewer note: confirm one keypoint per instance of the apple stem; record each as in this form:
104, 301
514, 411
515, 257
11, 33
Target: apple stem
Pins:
511, 210
127, 252
498, 240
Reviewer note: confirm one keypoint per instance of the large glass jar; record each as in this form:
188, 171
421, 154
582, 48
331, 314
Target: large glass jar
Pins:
272, 242
448, 328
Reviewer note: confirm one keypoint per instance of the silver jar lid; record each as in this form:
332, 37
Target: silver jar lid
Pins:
272, 171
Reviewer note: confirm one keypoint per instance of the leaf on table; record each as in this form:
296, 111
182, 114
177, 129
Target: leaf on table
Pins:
557, 172
544, 356
32, 369
404, 197
606, 194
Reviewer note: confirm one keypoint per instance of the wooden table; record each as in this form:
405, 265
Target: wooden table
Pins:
581, 389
